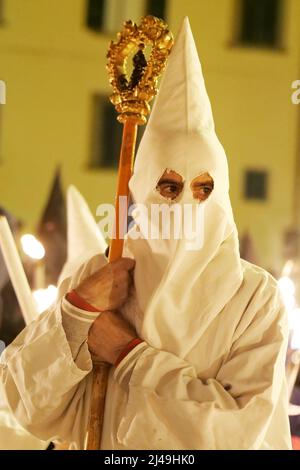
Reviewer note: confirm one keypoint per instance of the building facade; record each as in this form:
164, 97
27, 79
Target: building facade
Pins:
56, 112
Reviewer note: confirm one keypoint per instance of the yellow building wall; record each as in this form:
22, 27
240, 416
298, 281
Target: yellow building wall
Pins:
52, 65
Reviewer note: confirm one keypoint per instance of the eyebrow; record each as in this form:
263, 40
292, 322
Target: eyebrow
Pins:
203, 183
169, 181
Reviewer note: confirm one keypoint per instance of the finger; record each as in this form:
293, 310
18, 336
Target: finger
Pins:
124, 263
120, 276
124, 277
131, 277
131, 291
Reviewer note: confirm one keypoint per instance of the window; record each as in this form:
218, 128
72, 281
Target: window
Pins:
106, 134
256, 184
108, 15
1, 12
95, 13
156, 8
260, 23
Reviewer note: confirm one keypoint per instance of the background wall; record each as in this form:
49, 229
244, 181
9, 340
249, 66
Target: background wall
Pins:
53, 65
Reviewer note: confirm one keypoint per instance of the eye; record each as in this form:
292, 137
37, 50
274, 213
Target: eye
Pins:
169, 190
202, 186
170, 184
202, 192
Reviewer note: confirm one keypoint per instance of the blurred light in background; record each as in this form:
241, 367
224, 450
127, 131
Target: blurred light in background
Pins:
32, 247
44, 298
288, 289
294, 324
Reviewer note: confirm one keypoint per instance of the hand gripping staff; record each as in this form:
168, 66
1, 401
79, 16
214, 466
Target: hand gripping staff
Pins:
131, 98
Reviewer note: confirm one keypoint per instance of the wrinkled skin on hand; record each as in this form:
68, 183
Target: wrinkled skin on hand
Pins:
107, 290
109, 335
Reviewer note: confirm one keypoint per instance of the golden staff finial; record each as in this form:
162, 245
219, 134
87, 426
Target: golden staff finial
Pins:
132, 97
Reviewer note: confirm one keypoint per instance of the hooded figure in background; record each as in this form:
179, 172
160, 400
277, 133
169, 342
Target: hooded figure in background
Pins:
12, 435
208, 331
84, 239
11, 320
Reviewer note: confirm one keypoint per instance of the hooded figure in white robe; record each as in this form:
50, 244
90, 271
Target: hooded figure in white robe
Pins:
83, 235
210, 371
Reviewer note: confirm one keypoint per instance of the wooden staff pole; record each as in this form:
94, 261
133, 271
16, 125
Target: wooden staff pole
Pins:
131, 99
125, 172
101, 369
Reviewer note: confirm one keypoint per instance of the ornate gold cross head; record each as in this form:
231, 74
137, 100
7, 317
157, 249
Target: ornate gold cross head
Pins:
131, 96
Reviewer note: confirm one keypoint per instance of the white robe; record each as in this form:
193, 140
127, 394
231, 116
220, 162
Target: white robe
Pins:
13, 436
210, 374
227, 392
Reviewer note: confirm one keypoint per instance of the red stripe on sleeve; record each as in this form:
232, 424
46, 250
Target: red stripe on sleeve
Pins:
79, 302
130, 346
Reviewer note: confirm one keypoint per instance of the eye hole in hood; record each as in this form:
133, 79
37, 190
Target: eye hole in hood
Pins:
202, 186
170, 185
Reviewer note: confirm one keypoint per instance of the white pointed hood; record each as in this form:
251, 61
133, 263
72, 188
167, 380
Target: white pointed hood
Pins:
84, 237
180, 134
180, 291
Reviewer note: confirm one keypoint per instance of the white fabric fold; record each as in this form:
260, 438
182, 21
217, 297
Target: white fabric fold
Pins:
233, 410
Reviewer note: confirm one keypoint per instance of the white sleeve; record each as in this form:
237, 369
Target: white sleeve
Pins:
76, 324
170, 407
45, 389
45, 372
